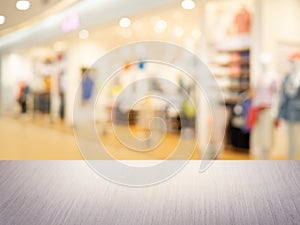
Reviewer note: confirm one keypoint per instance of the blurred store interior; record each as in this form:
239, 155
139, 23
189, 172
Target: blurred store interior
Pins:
49, 51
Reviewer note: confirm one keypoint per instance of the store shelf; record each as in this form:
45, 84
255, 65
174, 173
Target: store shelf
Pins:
233, 50
232, 71
230, 63
235, 88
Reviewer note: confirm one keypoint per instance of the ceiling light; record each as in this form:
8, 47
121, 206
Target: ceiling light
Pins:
83, 34
23, 5
2, 19
160, 26
125, 22
188, 4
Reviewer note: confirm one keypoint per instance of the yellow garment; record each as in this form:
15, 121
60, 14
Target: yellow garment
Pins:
47, 82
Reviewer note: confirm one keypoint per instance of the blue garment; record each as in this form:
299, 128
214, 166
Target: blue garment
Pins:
289, 103
142, 65
246, 111
87, 87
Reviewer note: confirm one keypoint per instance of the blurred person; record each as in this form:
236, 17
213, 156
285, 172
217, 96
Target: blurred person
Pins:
289, 109
22, 96
262, 110
61, 92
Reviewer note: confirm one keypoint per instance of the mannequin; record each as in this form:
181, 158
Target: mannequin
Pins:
263, 104
290, 105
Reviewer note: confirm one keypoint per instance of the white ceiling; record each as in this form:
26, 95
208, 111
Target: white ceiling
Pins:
39, 9
185, 22
90, 12
110, 35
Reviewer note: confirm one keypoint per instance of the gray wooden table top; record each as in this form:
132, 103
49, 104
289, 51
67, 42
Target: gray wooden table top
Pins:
229, 192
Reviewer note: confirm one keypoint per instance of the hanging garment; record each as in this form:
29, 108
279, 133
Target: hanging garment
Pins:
87, 87
242, 21
265, 90
290, 100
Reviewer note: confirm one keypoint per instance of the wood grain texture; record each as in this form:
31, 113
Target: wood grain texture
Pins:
229, 192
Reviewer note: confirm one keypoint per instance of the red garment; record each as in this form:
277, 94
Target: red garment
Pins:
252, 118
294, 56
21, 90
253, 115
242, 21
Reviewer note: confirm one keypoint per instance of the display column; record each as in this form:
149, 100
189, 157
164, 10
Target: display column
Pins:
256, 50
1, 102
257, 37
202, 107
72, 82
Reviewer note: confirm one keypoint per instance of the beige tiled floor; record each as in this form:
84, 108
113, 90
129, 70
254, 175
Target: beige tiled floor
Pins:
24, 139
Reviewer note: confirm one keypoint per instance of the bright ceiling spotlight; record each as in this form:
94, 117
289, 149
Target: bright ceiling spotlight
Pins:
188, 4
23, 5
125, 22
2, 19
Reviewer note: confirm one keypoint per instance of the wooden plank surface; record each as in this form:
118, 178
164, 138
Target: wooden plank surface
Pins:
229, 192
